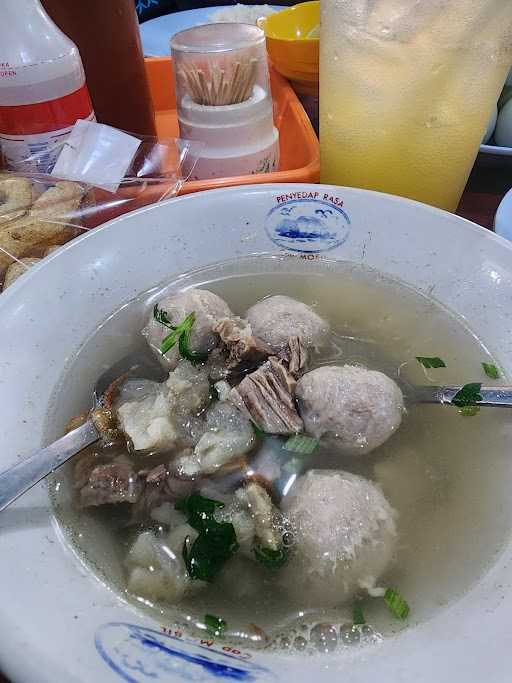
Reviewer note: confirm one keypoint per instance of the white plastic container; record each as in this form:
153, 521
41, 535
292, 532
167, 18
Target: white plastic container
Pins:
224, 100
42, 86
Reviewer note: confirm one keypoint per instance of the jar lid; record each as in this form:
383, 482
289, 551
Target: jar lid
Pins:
214, 38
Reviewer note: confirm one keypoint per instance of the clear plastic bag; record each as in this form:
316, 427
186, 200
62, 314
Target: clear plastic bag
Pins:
97, 177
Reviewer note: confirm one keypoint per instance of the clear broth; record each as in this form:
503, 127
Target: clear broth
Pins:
447, 475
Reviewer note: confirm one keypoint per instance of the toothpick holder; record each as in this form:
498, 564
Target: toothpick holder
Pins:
224, 100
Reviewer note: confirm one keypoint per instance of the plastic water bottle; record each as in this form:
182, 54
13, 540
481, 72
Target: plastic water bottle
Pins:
42, 87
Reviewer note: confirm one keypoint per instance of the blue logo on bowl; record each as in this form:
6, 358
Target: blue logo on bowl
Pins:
307, 225
140, 654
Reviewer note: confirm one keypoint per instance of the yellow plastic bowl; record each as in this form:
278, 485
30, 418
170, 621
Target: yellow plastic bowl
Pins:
293, 42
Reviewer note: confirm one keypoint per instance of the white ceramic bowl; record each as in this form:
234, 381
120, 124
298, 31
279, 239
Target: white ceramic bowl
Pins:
59, 624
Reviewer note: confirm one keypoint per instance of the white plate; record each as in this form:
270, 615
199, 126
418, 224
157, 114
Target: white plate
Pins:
59, 624
157, 33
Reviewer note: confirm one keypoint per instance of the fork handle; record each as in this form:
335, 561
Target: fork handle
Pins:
491, 396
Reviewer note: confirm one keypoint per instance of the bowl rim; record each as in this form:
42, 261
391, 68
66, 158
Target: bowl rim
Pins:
271, 187
264, 21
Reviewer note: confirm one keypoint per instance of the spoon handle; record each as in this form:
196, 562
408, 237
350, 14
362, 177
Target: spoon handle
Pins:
21, 477
491, 396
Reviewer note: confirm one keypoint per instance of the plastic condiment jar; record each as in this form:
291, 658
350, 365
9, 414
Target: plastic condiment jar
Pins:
224, 100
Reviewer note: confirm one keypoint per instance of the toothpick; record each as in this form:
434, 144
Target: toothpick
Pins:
216, 87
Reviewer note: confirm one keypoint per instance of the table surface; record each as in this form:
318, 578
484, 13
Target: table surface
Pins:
485, 190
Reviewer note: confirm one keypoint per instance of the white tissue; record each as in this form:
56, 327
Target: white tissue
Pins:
96, 154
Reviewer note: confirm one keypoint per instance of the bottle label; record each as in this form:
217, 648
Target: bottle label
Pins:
35, 153
30, 134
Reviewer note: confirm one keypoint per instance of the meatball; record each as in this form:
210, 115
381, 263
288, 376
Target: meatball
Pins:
355, 409
278, 318
208, 308
345, 537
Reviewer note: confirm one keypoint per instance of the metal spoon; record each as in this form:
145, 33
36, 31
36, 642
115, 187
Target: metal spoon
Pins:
18, 479
23, 476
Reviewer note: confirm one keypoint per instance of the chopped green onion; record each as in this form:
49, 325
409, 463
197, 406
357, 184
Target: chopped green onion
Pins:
428, 363
491, 370
161, 317
180, 335
469, 411
300, 443
170, 341
357, 614
184, 345
271, 559
293, 466
215, 625
200, 511
216, 543
205, 557
469, 395
396, 604
258, 430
